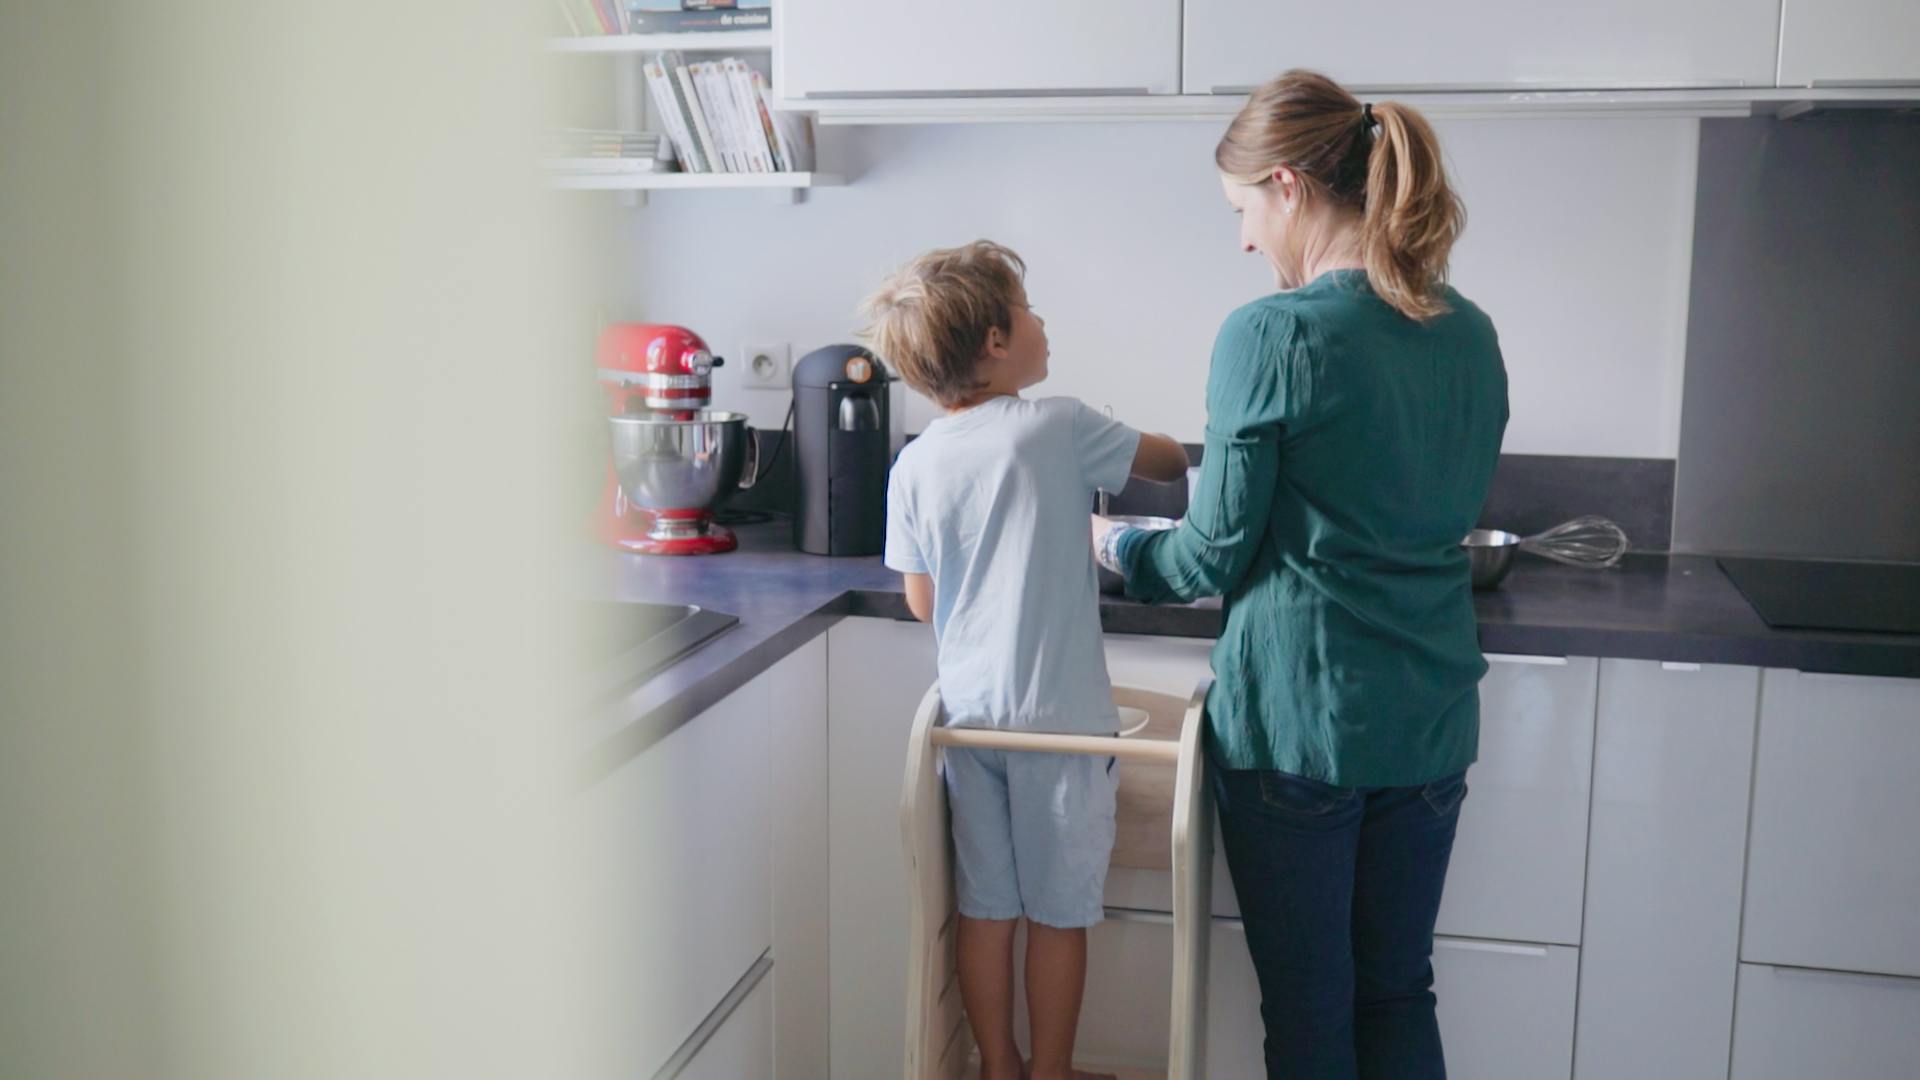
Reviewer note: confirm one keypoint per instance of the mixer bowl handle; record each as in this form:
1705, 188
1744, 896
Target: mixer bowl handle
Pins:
750, 471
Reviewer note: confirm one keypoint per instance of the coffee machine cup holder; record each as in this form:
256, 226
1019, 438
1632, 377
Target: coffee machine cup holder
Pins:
859, 414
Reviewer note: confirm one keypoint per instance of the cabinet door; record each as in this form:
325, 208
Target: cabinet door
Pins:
877, 672
1236, 1037
1506, 1010
1666, 851
1796, 1023
1125, 1014
683, 906
1173, 666
1849, 43
797, 693
1519, 859
907, 48
1232, 45
1833, 877
1125, 1018
742, 1048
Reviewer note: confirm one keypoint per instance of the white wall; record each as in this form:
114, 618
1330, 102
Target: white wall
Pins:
1578, 245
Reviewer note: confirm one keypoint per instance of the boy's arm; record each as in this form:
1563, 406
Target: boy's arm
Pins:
1159, 458
919, 596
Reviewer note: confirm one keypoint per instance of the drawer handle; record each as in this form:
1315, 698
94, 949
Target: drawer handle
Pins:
1504, 947
1828, 975
1675, 665
721, 1013
1517, 658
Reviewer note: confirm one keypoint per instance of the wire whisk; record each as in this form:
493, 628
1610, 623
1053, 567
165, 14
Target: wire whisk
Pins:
1585, 541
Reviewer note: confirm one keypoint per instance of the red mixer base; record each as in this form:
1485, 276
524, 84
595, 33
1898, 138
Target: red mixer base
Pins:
717, 539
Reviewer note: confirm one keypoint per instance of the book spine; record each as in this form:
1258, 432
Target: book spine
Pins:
667, 103
678, 22
723, 111
603, 14
696, 113
713, 107
756, 121
776, 139
713, 137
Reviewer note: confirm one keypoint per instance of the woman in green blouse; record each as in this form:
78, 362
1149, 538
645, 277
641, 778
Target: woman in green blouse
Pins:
1353, 423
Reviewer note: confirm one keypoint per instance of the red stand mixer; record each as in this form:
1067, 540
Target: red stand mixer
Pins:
673, 459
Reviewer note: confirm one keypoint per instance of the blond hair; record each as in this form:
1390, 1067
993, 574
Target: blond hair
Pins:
1409, 217
929, 321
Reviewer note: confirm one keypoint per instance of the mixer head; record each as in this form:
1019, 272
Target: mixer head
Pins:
651, 366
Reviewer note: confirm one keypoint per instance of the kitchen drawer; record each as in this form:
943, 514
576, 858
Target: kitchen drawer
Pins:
1672, 770
683, 901
1801, 1024
1833, 878
742, 1047
1519, 860
1506, 1009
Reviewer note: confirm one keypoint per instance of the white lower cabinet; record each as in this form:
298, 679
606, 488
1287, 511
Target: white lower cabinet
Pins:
1519, 859
797, 698
681, 907
1672, 766
742, 1047
1506, 1010
1125, 1019
1125, 1015
1236, 1038
878, 670
1833, 877
1803, 1024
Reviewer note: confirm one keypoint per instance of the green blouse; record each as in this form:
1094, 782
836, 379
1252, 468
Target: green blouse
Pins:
1348, 451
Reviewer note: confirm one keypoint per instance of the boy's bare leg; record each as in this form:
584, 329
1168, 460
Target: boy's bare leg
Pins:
1056, 977
986, 992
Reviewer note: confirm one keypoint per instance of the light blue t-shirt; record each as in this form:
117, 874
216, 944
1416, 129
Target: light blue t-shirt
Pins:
992, 504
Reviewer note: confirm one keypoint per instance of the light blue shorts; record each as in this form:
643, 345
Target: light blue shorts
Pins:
1031, 834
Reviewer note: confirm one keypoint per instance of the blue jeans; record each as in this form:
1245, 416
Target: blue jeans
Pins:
1339, 888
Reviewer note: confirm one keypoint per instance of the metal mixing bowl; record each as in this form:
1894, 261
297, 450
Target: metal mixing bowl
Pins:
1490, 554
1111, 582
672, 464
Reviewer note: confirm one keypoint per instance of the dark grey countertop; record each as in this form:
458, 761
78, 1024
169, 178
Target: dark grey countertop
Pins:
1652, 607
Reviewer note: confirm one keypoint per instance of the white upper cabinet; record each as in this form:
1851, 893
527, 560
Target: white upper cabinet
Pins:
1232, 45
905, 48
1850, 43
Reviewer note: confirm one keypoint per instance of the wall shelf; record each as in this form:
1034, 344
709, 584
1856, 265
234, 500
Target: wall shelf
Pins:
719, 41
1465, 105
680, 181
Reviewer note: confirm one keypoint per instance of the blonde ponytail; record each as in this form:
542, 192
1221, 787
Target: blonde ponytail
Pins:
1395, 180
1411, 217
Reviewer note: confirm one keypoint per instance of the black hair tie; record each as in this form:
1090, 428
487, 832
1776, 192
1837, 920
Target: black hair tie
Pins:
1366, 115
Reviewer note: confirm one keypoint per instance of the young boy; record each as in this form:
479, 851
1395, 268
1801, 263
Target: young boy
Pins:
987, 518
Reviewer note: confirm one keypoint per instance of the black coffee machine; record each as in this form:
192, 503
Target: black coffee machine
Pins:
842, 441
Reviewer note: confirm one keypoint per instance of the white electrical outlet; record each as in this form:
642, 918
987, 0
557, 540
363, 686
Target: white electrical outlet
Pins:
764, 367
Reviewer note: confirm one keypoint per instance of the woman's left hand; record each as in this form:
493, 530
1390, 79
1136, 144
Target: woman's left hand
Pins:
1106, 533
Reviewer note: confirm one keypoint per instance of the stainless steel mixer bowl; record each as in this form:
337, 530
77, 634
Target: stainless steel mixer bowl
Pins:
1490, 554
1111, 582
671, 464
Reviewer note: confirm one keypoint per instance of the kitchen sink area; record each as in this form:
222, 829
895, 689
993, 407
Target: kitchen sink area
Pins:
629, 643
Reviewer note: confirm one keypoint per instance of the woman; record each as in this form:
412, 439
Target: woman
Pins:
1354, 420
